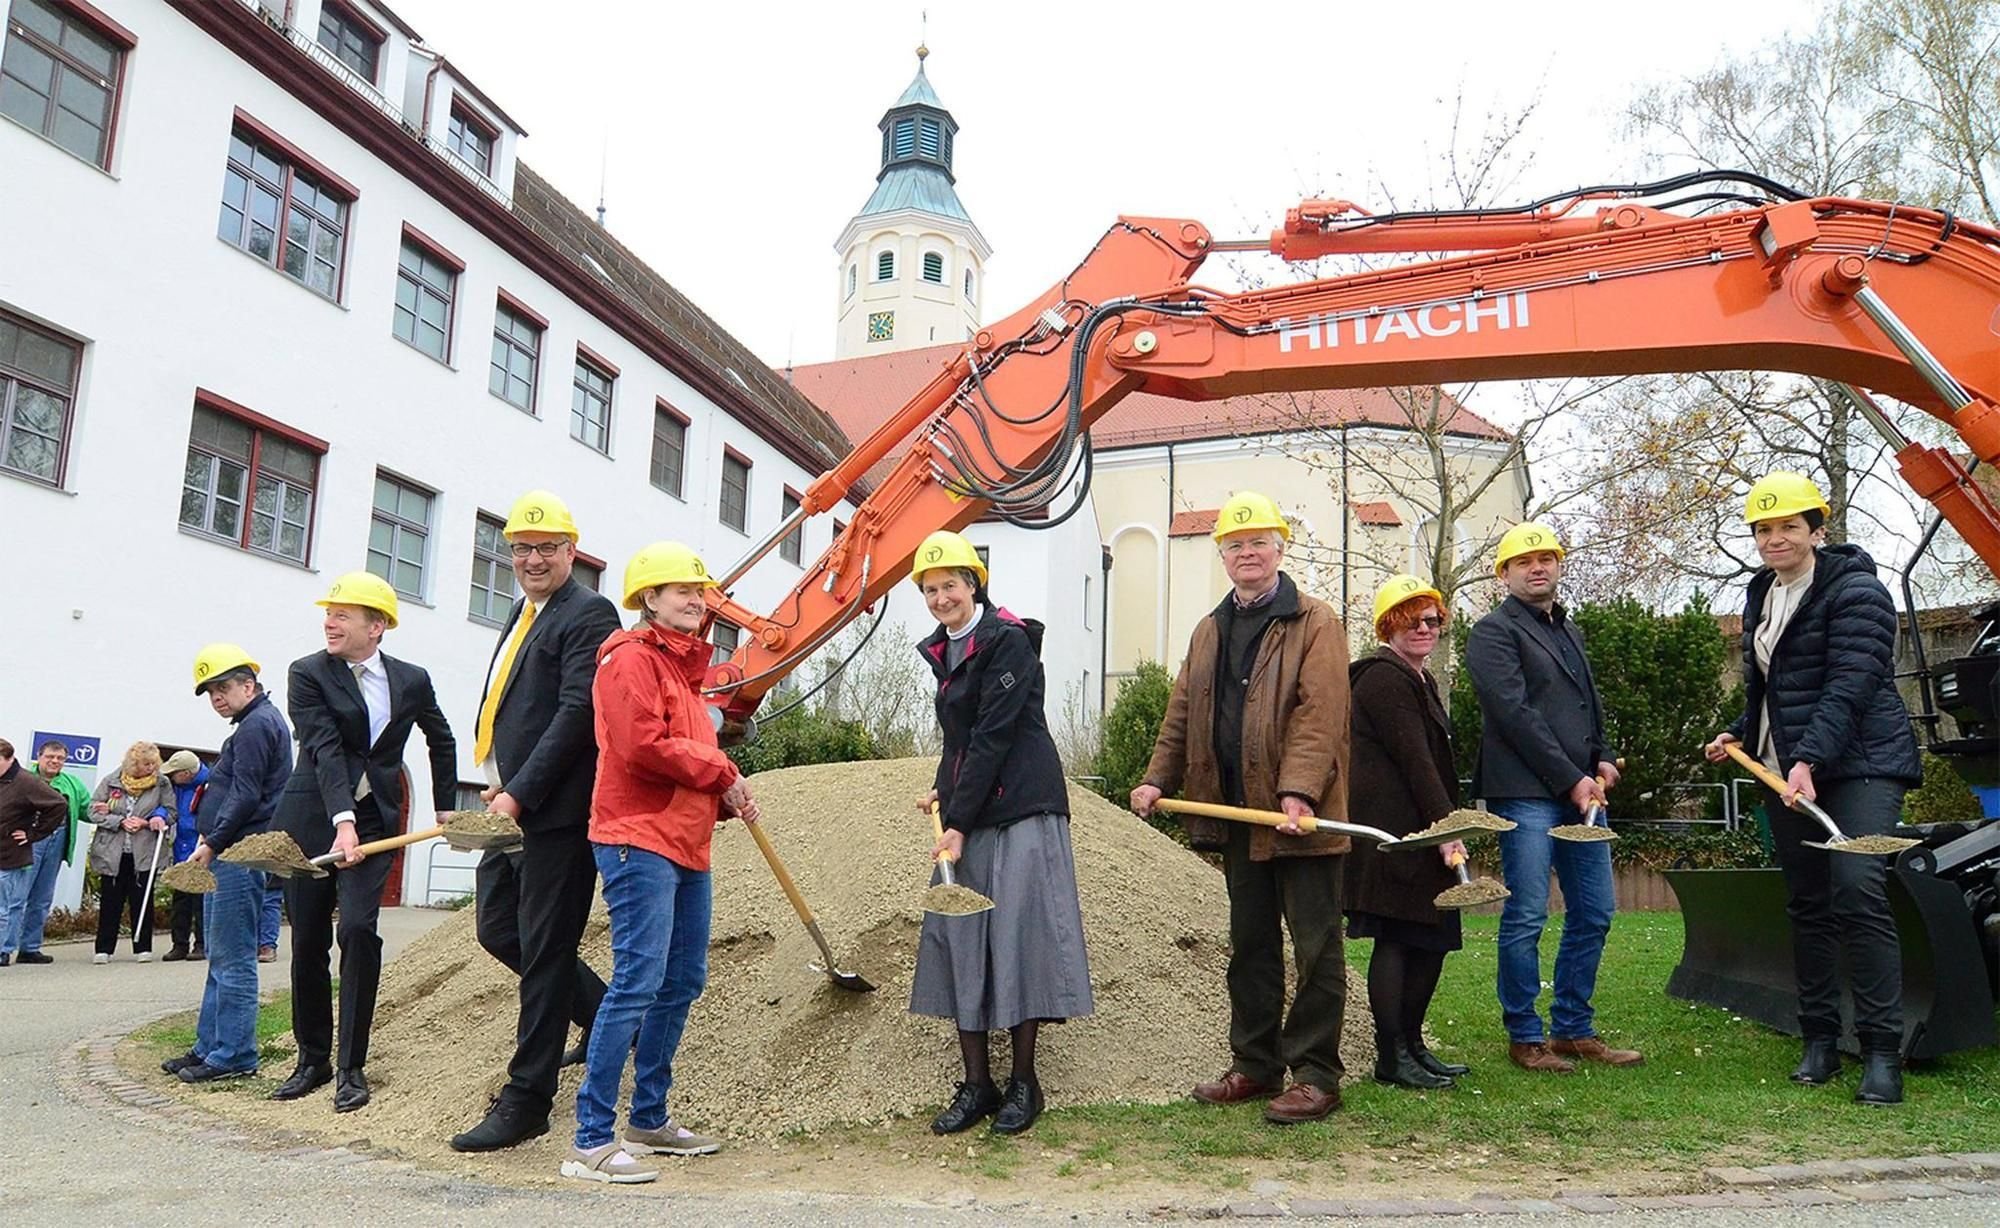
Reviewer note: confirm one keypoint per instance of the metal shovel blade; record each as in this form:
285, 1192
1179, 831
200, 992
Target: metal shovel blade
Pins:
470, 842
1865, 846
1430, 839
475, 831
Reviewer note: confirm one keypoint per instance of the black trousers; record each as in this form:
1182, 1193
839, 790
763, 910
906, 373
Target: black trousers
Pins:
119, 893
1302, 894
1839, 908
533, 904
186, 919
356, 896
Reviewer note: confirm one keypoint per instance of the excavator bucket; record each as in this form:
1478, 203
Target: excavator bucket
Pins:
1738, 956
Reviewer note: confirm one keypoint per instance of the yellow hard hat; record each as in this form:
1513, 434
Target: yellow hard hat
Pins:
1400, 588
1248, 510
1528, 537
538, 511
663, 563
946, 549
363, 588
216, 660
1779, 494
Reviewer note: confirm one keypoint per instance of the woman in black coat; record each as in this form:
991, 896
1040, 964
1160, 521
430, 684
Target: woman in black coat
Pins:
1401, 778
1821, 710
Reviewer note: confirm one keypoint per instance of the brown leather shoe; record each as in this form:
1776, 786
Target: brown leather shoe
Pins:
1301, 1102
1593, 1049
1538, 1058
1233, 1088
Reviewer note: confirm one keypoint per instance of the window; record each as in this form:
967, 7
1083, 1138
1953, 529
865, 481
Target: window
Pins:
853, 275
589, 572
352, 41
266, 199
249, 482
726, 637
929, 139
735, 490
399, 534
590, 405
885, 266
492, 572
60, 77
517, 352
906, 137
792, 548
670, 432
425, 284
1086, 603
985, 559
968, 286
471, 139
934, 268
37, 392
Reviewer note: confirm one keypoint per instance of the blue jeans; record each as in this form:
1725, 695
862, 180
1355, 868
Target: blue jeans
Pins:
659, 963
24, 933
225, 1035
272, 914
1584, 870
14, 886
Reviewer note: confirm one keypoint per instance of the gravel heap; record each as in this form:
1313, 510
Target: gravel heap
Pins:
773, 1047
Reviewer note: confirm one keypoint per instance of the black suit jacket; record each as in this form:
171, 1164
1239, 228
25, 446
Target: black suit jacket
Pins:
330, 721
1542, 722
544, 733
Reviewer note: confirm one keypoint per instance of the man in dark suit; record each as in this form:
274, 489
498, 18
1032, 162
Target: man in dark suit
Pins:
352, 708
537, 746
1542, 755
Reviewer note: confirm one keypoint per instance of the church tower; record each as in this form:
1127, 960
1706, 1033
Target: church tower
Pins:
912, 264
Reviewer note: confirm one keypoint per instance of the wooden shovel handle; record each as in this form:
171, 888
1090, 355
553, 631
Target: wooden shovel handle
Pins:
937, 830
384, 845
1239, 814
1771, 779
783, 875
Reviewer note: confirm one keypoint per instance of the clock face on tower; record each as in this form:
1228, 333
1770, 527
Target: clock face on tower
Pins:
881, 326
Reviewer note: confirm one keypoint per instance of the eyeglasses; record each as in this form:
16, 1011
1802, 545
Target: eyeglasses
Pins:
1259, 544
546, 549
1434, 621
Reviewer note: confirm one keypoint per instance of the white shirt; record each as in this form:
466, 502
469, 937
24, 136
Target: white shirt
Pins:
372, 676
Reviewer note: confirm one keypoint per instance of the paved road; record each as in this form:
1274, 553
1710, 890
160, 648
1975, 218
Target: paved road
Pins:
73, 1164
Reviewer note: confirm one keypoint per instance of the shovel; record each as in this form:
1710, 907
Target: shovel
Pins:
1428, 838
1590, 830
1471, 892
275, 852
1837, 841
948, 898
851, 981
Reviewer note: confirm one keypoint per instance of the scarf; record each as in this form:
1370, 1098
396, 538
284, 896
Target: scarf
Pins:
138, 784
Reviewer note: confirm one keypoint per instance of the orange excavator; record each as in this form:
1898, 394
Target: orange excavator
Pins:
1721, 270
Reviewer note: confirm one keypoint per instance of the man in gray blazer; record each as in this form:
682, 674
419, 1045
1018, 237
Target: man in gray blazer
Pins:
1542, 755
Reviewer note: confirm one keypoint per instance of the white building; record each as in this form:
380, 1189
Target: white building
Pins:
278, 300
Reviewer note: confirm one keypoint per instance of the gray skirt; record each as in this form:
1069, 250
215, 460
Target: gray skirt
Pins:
1022, 959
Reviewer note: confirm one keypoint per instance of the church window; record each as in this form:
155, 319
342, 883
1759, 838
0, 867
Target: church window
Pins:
968, 285
885, 266
929, 135
881, 326
934, 268
853, 273
906, 137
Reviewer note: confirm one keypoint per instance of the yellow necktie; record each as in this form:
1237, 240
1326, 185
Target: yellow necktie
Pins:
482, 745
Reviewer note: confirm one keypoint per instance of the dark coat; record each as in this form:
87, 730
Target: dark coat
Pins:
1832, 683
27, 804
248, 776
999, 763
1294, 726
1542, 722
544, 734
331, 721
1401, 779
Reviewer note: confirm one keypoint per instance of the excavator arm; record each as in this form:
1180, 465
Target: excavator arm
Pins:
1863, 294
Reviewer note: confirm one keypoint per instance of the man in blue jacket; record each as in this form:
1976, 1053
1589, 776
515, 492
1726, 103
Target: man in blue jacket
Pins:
1544, 762
243, 791
190, 778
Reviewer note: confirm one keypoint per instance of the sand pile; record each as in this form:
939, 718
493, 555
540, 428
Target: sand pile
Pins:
772, 1046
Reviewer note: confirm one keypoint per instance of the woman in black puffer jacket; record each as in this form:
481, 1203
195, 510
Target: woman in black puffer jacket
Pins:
1821, 710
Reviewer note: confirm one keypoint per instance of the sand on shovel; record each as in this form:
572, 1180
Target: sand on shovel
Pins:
274, 847
1458, 820
1583, 833
771, 1046
1871, 846
190, 877
1471, 894
952, 900
481, 823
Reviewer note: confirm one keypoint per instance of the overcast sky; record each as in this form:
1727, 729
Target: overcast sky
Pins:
740, 138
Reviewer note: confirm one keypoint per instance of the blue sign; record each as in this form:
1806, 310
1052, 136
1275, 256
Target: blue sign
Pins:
82, 750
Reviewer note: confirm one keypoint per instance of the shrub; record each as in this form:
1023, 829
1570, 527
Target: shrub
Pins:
804, 735
1129, 731
1944, 797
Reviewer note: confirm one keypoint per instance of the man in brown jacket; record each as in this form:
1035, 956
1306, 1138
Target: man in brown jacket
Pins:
29, 810
1259, 718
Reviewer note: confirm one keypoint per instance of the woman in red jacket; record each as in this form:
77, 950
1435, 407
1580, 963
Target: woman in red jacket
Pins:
662, 785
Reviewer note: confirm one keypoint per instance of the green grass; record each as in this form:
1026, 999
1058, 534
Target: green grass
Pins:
175, 1035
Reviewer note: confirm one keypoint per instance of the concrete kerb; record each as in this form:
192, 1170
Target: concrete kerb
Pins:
96, 1079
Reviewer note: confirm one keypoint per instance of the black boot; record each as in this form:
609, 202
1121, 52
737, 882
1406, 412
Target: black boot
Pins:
968, 1107
1019, 1106
1431, 1061
1821, 1063
1881, 1069
1397, 1066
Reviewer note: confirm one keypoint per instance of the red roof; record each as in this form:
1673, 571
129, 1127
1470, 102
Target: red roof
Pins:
1377, 514
861, 393
1193, 524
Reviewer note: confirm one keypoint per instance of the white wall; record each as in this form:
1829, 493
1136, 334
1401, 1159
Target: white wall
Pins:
109, 599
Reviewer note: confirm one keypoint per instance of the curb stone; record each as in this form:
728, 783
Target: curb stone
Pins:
94, 1078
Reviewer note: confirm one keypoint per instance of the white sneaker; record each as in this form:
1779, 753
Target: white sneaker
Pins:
100, 959
669, 1140
610, 1163
143, 957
